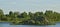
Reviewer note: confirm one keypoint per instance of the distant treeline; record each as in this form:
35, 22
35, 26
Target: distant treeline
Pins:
37, 18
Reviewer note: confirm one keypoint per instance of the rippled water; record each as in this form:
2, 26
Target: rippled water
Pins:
8, 25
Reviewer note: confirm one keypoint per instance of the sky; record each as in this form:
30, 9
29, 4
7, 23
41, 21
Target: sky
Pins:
29, 5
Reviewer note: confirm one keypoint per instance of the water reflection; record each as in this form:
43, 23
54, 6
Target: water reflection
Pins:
8, 25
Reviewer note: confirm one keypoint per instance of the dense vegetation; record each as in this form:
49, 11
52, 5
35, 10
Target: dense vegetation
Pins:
37, 18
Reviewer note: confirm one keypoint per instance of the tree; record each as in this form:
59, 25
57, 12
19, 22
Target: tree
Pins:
24, 15
16, 14
1, 14
31, 15
11, 16
50, 16
38, 14
10, 13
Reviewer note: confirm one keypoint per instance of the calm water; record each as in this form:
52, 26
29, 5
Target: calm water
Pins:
8, 25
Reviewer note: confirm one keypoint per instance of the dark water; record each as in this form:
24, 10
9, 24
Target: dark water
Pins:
8, 25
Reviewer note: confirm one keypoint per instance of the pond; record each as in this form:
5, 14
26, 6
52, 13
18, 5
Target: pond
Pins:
8, 25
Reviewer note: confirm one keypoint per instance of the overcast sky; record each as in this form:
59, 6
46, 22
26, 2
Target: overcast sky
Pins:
29, 5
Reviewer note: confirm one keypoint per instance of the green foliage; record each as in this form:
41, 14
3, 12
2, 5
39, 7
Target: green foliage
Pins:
24, 15
38, 18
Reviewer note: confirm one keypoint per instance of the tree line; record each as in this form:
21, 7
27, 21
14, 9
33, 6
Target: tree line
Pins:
37, 18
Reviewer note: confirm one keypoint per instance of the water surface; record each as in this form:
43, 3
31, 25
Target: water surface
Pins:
8, 25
